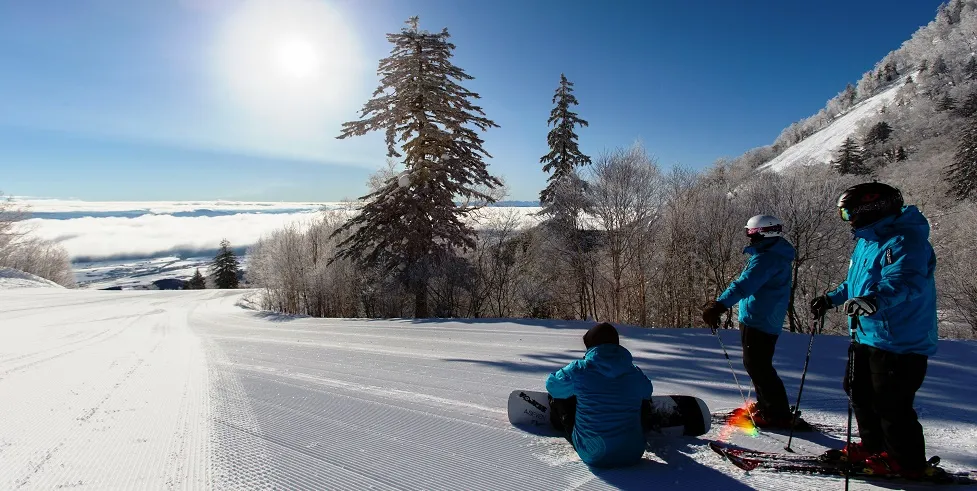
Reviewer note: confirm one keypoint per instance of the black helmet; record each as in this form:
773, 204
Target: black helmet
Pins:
868, 203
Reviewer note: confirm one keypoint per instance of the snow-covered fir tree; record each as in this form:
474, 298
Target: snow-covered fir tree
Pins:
939, 67
413, 222
878, 133
962, 173
225, 267
970, 69
876, 152
849, 96
946, 103
197, 282
849, 159
969, 106
565, 194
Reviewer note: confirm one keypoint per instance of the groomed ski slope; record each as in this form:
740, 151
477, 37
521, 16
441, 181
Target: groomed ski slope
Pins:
187, 390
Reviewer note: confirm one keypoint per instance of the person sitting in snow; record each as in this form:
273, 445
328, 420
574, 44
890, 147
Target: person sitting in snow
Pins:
891, 288
763, 292
601, 402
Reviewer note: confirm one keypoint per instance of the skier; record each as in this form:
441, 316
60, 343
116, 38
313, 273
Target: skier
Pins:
891, 288
601, 402
763, 292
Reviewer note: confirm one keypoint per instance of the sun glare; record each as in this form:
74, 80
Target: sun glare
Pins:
297, 58
287, 60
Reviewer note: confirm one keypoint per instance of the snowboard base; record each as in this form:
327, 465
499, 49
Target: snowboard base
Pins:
673, 415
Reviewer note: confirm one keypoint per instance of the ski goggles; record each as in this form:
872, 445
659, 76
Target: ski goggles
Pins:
845, 214
760, 230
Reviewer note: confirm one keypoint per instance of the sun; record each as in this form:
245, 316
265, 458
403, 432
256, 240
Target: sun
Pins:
297, 58
286, 60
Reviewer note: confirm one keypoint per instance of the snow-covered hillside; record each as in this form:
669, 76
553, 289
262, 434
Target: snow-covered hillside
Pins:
14, 278
186, 390
820, 147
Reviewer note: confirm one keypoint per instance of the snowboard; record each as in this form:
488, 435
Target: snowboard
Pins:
673, 415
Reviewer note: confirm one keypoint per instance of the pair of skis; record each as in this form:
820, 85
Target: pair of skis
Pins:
829, 465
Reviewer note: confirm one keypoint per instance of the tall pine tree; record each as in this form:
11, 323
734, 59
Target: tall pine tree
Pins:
564, 196
849, 159
225, 267
962, 173
413, 222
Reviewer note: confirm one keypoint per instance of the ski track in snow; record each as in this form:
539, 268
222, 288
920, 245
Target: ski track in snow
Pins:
186, 390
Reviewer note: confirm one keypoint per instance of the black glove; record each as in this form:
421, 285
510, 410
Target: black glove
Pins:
860, 306
712, 313
820, 306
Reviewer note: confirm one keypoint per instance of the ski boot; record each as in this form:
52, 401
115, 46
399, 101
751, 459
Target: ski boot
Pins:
854, 453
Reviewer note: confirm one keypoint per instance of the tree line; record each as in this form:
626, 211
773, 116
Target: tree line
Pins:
617, 238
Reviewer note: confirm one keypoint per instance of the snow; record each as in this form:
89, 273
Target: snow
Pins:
14, 278
185, 389
820, 147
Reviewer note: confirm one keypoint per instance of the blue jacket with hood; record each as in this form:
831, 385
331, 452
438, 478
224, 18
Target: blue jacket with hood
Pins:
609, 390
894, 263
763, 288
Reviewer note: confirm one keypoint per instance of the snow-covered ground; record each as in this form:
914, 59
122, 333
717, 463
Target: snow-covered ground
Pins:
13, 278
820, 147
187, 390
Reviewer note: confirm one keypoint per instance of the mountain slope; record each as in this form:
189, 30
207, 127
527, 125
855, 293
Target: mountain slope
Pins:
820, 147
914, 82
161, 390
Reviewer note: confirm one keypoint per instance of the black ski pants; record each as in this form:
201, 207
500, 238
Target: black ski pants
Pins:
758, 349
882, 390
563, 415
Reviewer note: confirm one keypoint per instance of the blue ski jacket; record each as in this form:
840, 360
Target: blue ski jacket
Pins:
894, 263
763, 288
609, 389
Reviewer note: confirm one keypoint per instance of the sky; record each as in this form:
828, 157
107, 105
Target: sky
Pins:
244, 99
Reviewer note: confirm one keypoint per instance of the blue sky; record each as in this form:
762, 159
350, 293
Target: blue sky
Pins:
158, 100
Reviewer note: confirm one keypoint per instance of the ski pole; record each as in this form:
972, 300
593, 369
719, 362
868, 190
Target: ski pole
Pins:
851, 378
800, 390
729, 322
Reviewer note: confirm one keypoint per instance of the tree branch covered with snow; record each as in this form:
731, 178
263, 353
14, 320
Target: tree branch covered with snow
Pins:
20, 250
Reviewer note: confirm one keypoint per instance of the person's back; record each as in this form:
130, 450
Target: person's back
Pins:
608, 390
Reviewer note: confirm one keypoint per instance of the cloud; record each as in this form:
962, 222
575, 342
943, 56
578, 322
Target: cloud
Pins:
150, 235
111, 230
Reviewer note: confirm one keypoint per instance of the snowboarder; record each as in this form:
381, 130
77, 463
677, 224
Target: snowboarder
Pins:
600, 402
891, 288
763, 292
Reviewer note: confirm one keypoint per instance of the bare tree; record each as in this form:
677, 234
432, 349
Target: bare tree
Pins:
953, 240
10, 230
626, 200
20, 249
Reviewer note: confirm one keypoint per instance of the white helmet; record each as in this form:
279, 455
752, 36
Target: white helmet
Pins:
765, 225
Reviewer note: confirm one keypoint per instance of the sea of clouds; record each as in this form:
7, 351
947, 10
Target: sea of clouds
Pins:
116, 230
95, 231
